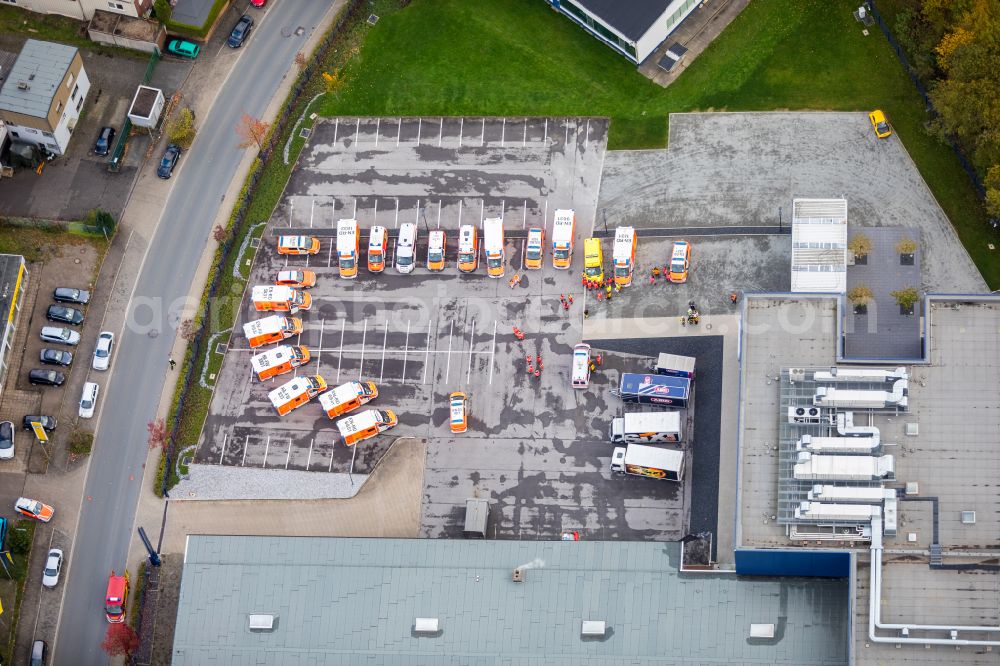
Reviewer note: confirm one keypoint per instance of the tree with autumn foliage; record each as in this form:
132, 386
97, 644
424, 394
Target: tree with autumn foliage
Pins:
120, 641
252, 131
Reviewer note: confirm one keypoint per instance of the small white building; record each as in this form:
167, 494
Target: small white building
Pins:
633, 28
43, 93
147, 105
819, 245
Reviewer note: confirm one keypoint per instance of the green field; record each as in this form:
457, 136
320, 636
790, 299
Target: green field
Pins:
518, 57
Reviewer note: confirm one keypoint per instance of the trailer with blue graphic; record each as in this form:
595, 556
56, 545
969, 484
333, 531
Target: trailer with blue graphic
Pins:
655, 389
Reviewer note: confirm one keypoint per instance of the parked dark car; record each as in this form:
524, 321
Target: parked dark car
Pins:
49, 423
240, 32
63, 314
55, 357
46, 377
71, 295
104, 140
168, 161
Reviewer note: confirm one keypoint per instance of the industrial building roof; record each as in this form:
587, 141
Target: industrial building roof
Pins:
353, 601
632, 18
35, 76
819, 245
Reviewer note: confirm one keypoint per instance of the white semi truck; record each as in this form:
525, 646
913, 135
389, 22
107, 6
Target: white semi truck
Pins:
650, 461
647, 427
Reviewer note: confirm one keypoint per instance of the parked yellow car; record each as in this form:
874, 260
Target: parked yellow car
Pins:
880, 124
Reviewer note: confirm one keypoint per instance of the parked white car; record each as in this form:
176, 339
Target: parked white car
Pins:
53, 565
88, 401
102, 353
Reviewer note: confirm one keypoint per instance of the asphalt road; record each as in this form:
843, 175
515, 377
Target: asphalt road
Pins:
130, 401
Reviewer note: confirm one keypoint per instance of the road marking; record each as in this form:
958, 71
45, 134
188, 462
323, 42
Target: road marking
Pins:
291, 211
222, 455
493, 350
482, 137
420, 125
319, 358
503, 131
545, 214
502, 203
354, 214
336, 126
289, 455
406, 349
441, 132
447, 370
395, 222
427, 349
385, 337
312, 209
378, 125
439, 214
330, 468
340, 358
482, 207
461, 128
472, 334
460, 212
357, 133
588, 131
267, 447
566, 139
545, 138
246, 445
333, 219
524, 243
524, 218
524, 140
329, 255
309, 459
364, 336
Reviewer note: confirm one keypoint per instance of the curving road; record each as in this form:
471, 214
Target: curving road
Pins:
130, 401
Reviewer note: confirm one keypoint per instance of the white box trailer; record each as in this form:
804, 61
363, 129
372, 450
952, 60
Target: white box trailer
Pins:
674, 365
837, 444
650, 461
850, 494
640, 427
813, 466
818, 511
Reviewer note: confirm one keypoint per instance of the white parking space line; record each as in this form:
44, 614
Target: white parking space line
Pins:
378, 124
385, 337
460, 212
566, 140
310, 457
524, 217
439, 214
406, 349
395, 222
312, 210
482, 207
288, 456
524, 139
319, 357
420, 126
461, 128
267, 447
503, 202
329, 255
588, 130
222, 455
493, 349
336, 126
440, 132
246, 445
291, 211
472, 334
354, 215
364, 336
375, 215
447, 370
482, 136
427, 357
503, 132
357, 133
340, 358
545, 139
545, 214
330, 468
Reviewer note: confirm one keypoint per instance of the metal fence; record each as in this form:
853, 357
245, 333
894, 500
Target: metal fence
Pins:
922, 89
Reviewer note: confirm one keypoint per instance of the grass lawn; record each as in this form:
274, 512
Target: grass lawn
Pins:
55, 28
518, 57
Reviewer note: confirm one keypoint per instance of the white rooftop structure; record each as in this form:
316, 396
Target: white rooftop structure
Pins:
819, 245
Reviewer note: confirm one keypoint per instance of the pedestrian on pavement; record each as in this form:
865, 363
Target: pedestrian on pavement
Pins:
172, 363
586, 312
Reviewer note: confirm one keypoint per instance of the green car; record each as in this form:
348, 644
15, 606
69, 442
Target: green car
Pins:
182, 47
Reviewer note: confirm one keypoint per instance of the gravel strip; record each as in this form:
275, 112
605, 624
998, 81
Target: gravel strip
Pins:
224, 482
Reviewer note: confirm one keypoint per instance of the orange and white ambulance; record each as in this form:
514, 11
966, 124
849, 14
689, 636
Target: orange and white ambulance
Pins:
369, 423
437, 241
347, 397
493, 242
279, 360
563, 231
275, 328
298, 279
347, 248
296, 393
623, 255
468, 248
271, 297
378, 242
298, 245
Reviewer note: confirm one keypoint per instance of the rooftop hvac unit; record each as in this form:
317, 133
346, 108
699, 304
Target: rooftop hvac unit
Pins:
797, 374
592, 628
426, 625
518, 575
263, 622
761, 631
23, 85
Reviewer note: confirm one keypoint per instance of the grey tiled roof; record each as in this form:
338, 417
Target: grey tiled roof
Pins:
352, 601
41, 66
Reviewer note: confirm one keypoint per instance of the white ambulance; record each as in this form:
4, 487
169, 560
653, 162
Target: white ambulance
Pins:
347, 248
296, 393
563, 231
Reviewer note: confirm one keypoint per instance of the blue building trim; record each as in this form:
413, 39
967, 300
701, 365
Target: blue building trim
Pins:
798, 562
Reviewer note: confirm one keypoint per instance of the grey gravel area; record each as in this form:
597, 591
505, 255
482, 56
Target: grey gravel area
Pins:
224, 482
735, 169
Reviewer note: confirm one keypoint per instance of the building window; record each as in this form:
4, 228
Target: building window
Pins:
76, 89
79, 103
59, 107
117, 5
12, 132
9, 2
48, 135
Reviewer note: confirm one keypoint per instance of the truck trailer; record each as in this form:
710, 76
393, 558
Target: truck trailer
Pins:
639, 427
814, 467
673, 365
655, 390
651, 461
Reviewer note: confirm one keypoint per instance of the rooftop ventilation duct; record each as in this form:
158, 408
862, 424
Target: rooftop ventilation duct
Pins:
426, 625
263, 622
594, 628
518, 575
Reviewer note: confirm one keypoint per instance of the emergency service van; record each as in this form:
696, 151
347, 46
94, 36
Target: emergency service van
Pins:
279, 360
271, 297
406, 248
493, 243
623, 255
468, 248
347, 248
534, 249
296, 392
347, 397
369, 423
298, 245
593, 260
581, 366
437, 241
271, 329
563, 230
378, 244
300, 279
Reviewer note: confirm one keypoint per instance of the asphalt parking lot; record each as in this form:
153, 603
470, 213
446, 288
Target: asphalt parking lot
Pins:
536, 447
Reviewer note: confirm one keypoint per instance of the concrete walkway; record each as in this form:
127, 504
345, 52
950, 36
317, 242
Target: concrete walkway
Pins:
695, 33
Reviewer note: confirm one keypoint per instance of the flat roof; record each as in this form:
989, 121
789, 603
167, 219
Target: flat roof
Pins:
10, 268
40, 67
354, 601
819, 245
953, 458
632, 18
